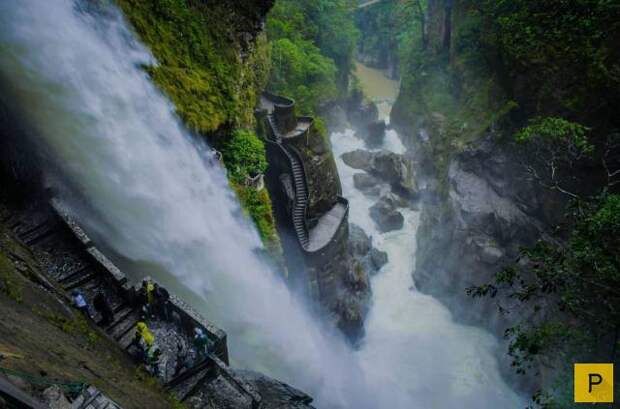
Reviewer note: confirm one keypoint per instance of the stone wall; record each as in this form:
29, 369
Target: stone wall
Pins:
324, 269
189, 318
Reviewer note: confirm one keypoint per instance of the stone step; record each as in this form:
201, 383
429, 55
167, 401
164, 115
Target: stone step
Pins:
38, 233
25, 225
127, 338
92, 286
79, 280
119, 317
118, 306
72, 274
185, 389
125, 325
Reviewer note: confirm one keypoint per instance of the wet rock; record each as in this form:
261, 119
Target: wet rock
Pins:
359, 159
336, 118
375, 133
390, 167
386, 216
361, 113
276, 394
366, 183
359, 241
369, 257
55, 398
379, 258
488, 251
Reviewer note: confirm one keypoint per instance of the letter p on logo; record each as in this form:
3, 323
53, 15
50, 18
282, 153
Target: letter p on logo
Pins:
594, 383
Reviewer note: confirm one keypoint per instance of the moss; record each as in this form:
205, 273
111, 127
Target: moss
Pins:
73, 326
258, 206
199, 60
244, 155
214, 82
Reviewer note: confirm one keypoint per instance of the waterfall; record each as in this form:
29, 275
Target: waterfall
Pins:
145, 186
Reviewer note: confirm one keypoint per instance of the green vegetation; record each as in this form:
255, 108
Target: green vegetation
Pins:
572, 289
544, 76
214, 80
566, 49
556, 130
199, 64
258, 205
244, 155
312, 50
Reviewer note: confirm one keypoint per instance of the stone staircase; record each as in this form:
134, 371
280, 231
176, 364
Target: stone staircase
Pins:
301, 190
70, 258
74, 268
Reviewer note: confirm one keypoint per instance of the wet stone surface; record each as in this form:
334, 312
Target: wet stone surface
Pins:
175, 347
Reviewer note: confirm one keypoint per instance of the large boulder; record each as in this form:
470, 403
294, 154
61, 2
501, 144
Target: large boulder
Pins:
55, 398
372, 133
359, 241
366, 183
390, 167
361, 112
386, 215
362, 249
375, 133
378, 258
359, 159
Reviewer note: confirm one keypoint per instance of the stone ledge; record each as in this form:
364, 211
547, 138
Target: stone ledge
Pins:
107, 265
79, 233
229, 374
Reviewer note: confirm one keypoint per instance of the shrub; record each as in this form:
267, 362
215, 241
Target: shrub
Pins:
244, 155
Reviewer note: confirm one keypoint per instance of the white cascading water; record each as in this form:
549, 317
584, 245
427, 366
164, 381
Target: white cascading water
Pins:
155, 199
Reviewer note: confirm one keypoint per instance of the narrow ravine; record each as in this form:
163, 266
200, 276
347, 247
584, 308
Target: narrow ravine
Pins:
411, 338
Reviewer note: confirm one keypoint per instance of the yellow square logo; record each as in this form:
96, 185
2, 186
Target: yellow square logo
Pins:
594, 383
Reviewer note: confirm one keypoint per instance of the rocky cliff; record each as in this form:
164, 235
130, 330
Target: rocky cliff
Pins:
480, 205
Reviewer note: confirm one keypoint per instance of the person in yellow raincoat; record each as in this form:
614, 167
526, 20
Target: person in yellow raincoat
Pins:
144, 335
143, 340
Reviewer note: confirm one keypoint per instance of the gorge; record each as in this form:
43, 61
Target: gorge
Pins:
346, 275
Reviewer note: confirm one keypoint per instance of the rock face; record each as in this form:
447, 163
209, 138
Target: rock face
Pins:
276, 394
321, 173
386, 216
312, 222
489, 210
395, 169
